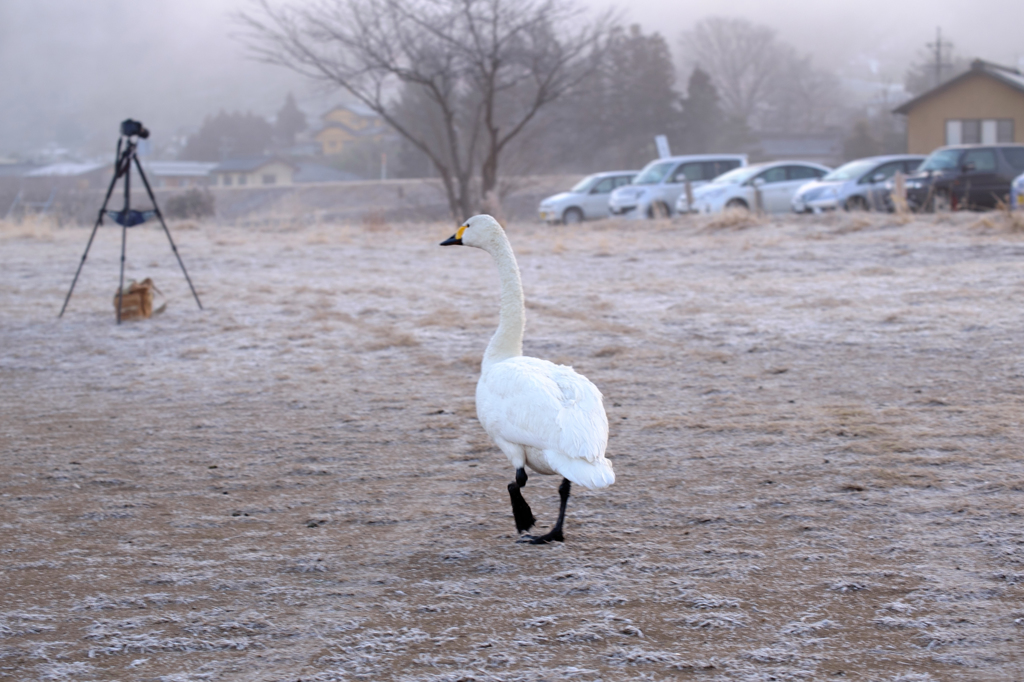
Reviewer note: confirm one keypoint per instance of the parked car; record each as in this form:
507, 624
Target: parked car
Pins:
775, 183
965, 177
855, 186
1017, 193
654, 192
587, 200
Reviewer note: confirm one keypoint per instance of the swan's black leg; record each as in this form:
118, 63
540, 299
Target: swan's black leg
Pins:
520, 510
556, 533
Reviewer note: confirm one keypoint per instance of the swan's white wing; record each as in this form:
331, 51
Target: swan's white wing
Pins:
539, 404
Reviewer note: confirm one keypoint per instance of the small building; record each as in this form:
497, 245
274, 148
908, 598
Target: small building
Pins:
346, 124
260, 171
984, 105
179, 173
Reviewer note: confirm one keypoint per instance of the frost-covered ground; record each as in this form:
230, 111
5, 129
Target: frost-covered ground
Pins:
816, 427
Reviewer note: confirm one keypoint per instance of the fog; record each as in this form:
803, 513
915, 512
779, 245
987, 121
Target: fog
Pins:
72, 70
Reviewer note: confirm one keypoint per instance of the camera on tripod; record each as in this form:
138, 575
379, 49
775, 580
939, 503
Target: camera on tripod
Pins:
127, 148
131, 128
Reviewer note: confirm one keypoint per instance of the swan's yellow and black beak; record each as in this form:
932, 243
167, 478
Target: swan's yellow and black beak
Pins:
455, 239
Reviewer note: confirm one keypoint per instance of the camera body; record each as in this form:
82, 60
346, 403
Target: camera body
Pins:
130, 127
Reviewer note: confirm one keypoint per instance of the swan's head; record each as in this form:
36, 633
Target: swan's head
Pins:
479, 231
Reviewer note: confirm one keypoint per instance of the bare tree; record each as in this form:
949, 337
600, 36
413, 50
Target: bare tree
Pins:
458, 79
742, 59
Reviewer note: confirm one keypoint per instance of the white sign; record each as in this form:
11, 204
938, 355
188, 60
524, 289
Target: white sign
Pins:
663, 151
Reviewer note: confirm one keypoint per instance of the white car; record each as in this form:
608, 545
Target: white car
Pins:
768, 187
587, 200
656, 190
1017, 193
855, 186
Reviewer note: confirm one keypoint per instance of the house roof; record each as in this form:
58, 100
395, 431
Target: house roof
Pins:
1004, 74
248, 165
357, 109
65, 169
180, 168
314, 172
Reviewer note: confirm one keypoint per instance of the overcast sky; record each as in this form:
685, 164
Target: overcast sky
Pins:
66, 66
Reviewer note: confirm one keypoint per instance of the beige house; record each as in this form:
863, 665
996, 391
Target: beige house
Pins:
984, 105
346, 124
256, 172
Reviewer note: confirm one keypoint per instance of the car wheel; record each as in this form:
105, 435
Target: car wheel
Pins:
940, 202
572, 216
857, 204
737, 203
660, 210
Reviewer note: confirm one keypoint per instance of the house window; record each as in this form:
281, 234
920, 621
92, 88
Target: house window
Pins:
979, 130
243, 178
227, 180
971, 128
1004, 130
269, 179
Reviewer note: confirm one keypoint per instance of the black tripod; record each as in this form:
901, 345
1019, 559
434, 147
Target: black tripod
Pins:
126, 217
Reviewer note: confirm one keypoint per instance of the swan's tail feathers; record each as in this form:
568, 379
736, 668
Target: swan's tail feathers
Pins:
592, 475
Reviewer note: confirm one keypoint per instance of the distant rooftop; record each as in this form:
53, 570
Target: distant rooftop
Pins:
247, 165
66, 168
179, 168
1004, 74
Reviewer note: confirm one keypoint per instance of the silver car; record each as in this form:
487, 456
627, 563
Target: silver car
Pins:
859, 185
656, 191
587, 200
767, 187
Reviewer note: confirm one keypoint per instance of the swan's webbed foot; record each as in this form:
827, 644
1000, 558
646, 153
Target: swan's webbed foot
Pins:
555, 535
520, 509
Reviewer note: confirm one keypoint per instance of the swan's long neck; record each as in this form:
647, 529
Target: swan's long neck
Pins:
507, 341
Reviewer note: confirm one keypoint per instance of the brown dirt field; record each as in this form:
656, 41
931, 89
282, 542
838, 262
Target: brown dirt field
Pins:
816, 426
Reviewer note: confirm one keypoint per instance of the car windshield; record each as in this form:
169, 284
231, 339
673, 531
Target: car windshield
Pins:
942, 159
584, 185
654, 173
738, 176
849, 171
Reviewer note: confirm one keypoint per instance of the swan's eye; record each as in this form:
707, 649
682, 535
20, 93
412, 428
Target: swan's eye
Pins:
458, 235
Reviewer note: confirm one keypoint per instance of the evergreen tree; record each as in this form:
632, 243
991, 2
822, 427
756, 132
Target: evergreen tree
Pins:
290, 122
702, 115
640, 100
227, 136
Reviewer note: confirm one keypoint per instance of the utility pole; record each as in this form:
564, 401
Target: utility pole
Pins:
936, 48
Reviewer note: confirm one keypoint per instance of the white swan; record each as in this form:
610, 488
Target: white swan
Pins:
540, 414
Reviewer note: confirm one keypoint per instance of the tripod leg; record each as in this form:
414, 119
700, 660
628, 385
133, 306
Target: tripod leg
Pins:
120, 285
174, 248
99, 221
80, 264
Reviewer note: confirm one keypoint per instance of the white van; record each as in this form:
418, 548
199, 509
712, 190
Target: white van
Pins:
655, 191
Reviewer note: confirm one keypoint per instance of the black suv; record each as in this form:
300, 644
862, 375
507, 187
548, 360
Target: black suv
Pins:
965, 177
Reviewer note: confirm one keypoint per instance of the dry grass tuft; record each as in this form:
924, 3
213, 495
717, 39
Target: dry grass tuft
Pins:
1004, 219
730, 219
36, 226
374, 221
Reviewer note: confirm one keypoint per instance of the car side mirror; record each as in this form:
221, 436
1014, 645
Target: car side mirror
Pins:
757, 182
878, 177
968, 167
